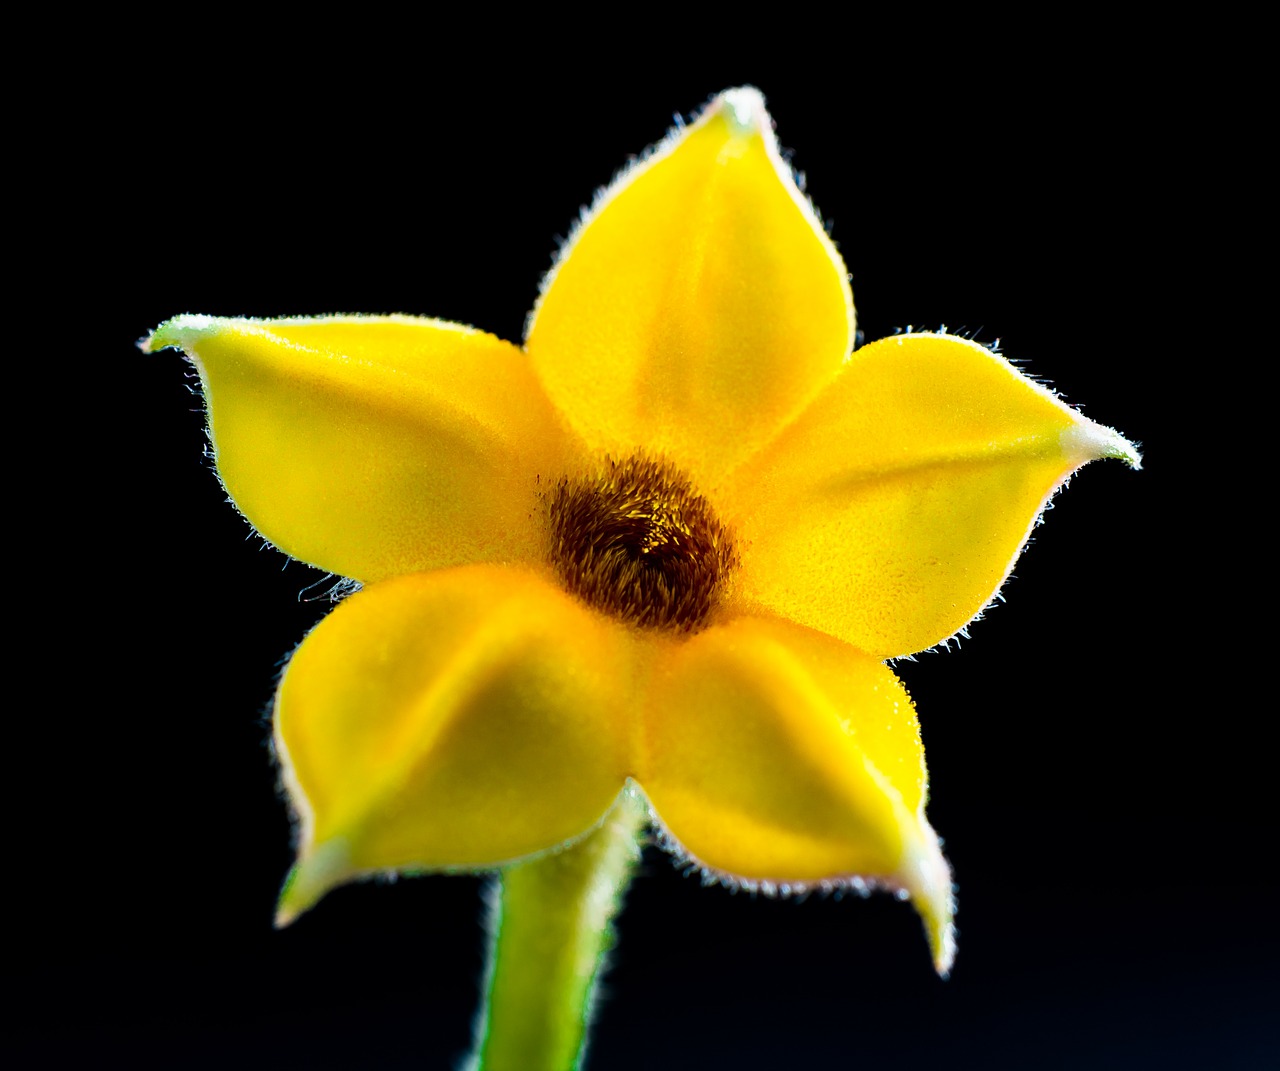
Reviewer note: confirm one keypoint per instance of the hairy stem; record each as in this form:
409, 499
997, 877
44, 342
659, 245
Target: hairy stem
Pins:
550, 927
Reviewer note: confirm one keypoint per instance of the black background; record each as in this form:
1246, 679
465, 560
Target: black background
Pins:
1091, 747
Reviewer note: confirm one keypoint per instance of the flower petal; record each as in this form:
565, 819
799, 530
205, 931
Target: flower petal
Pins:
891, 512
457, 719
374, 446
700, 304
781, 756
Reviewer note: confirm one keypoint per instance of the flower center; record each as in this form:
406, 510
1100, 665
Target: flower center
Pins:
637, 542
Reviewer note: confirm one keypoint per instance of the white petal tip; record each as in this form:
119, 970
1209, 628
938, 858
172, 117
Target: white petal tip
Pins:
744, 109
181, 333
311, 877
944, 951
927, 878
1088, 441
284, 917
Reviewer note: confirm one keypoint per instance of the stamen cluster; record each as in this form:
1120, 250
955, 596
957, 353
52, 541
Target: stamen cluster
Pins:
639, 543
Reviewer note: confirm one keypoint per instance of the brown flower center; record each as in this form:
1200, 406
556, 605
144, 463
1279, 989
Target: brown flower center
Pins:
637, 542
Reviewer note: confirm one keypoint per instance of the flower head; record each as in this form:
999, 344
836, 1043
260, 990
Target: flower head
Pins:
665, 547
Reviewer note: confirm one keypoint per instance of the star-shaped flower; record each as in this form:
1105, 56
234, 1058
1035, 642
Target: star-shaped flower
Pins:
664, 547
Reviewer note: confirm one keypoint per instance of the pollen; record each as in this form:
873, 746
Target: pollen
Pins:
636, 541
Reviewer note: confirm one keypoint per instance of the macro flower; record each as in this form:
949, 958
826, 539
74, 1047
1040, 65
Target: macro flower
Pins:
664, 548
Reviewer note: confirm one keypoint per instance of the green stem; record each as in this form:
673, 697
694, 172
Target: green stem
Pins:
550, 927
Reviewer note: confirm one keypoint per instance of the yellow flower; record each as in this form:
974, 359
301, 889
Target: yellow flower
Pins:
665, 547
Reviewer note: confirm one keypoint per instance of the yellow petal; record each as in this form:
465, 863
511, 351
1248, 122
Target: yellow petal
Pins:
700, 304
780, 756
893, 509
458, 719
374, 446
